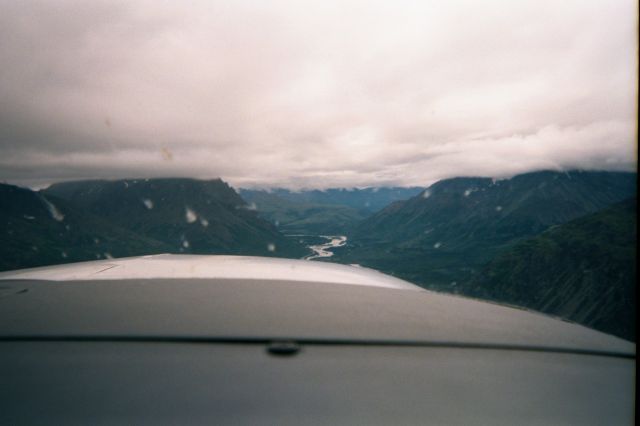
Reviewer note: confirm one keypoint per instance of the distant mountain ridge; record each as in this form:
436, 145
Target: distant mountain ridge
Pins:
368, 200
300, 217
331, 211
445, 234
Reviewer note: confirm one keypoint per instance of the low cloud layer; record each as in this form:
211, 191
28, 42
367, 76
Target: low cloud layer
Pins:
317, 93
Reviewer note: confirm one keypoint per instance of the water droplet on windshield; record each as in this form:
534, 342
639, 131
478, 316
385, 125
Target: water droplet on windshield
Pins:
271, 247
147, 203
53, 210
190, 215
167, 155
437, 245
426, 193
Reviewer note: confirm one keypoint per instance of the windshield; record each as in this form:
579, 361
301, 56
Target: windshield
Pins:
486, 149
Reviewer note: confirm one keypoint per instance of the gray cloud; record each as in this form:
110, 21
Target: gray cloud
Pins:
316, 93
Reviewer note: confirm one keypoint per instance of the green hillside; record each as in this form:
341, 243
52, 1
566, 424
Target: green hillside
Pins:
191, 216
42, 230
584, 270
77, 221
443, 236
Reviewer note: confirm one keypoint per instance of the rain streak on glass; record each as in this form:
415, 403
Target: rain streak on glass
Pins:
53, 210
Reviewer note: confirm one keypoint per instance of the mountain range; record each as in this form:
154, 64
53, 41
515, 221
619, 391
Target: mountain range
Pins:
558, 242
39, 230
86, 220
302, 217
444, 235
332, 211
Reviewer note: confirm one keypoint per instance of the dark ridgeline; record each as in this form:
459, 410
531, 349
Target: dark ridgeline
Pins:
133, 217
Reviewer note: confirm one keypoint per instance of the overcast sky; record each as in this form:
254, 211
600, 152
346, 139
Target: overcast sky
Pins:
315, 93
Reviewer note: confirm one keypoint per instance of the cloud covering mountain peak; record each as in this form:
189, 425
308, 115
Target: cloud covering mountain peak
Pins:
315, 94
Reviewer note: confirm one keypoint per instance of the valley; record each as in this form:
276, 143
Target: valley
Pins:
559, 242
325, 250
